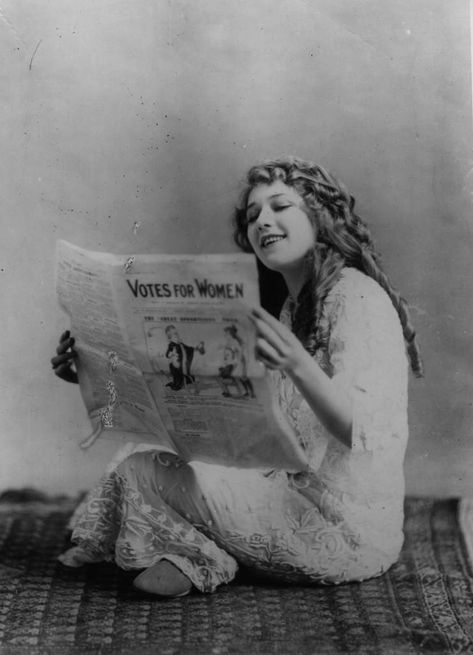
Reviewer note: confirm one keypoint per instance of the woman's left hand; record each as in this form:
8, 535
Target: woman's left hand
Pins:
276, 346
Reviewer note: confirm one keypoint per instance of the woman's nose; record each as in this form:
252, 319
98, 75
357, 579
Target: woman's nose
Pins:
265, 217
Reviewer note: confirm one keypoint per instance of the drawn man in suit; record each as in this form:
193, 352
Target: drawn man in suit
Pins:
180, 357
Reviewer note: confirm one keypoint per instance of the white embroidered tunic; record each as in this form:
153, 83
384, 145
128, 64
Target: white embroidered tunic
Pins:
340, 521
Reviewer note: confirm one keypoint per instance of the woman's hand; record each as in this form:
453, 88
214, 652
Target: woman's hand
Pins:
276, 346
65, 357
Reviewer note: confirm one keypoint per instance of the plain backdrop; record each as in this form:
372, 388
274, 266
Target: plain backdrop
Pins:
149, 112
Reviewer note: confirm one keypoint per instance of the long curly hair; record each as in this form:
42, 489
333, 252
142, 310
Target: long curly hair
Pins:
342, 239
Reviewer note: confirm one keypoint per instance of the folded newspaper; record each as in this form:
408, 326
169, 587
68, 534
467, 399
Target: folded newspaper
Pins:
166, 354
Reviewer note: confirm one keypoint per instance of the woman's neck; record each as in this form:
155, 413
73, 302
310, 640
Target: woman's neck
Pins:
295, 280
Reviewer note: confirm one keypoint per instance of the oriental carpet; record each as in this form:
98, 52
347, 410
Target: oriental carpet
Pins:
424, 604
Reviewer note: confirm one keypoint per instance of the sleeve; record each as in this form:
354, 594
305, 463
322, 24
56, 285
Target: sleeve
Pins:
368, 362
310, 433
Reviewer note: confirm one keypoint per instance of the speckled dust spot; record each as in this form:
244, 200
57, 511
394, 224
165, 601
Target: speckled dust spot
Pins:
127, 266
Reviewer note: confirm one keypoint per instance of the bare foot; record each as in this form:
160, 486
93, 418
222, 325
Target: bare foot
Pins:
163, 579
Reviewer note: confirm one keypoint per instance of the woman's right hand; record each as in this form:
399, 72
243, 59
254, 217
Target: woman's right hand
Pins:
65, 357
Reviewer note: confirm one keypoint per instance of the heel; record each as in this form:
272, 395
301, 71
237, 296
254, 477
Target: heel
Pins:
163, 579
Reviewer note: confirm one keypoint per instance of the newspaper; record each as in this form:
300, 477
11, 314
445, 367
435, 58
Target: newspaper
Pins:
166, 354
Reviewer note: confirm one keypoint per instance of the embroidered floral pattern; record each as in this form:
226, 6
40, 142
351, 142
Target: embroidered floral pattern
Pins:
116, 523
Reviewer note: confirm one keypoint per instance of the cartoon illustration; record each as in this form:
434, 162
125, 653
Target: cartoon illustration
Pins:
233, 370
180, 357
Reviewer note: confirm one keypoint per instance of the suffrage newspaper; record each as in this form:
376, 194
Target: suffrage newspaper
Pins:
166, 354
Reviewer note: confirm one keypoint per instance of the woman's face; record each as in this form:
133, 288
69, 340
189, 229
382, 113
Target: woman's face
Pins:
278, 227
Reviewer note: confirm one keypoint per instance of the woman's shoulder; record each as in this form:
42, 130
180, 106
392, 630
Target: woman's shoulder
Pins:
353, 283
359, 293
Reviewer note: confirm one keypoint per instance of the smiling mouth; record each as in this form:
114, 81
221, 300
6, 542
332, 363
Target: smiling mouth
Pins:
270, 239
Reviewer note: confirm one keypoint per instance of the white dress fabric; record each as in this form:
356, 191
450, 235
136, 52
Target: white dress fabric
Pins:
340, 521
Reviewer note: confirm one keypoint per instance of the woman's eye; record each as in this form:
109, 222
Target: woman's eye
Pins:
279, 208
251, 218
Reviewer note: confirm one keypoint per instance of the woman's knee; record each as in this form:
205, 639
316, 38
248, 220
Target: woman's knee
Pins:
140, 462
157, 471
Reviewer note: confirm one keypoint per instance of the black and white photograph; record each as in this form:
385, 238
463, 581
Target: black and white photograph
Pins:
236, 349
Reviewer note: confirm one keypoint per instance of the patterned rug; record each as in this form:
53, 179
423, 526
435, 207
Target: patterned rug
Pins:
423, 604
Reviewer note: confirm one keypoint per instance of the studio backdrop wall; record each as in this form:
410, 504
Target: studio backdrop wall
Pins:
117, 114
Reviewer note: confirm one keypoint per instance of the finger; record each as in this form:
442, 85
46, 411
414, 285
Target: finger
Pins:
62, 369
266, 332
65, 335
66, 373
260, 312
267, 362
65, 345
267, 351
66, 358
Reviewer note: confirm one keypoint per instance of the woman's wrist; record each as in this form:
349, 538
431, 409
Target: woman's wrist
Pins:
332, 408
302, 365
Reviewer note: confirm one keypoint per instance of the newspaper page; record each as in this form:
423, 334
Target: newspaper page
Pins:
166, 353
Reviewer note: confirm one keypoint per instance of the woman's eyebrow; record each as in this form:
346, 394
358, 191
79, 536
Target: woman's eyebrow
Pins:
275, 195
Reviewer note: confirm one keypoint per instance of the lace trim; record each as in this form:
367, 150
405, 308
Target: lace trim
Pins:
116, 523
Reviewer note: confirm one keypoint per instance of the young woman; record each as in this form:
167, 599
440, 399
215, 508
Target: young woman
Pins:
337, 361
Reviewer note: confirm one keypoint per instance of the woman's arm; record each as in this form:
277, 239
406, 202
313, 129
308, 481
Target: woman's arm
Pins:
278, 348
